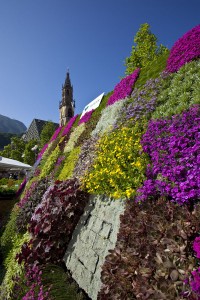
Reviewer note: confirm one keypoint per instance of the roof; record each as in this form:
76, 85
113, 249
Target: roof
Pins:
11, 164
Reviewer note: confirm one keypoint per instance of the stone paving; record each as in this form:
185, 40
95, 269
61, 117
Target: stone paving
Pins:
94, 235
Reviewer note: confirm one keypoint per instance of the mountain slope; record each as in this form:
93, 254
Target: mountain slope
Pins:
8, 125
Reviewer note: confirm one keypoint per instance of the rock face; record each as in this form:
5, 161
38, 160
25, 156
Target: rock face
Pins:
8, 125
95, 234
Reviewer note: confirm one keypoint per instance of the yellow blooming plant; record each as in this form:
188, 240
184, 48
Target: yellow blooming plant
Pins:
119, 168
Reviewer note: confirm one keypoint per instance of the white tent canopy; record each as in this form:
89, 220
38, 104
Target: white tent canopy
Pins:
11, 164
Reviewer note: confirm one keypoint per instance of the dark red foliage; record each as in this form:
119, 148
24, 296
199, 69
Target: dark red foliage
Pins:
53, 222
153, 254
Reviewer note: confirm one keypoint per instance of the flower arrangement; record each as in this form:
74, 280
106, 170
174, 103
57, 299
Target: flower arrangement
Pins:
56, 133
85, 118
42, 151
69, 125
50, 162
179, 92
69, 164
124, 87
53, 222
74, 137
118, 170
86, 157
185, 49
108, 117
173, 146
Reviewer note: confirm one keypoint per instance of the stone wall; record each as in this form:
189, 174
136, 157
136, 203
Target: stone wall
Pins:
94, 235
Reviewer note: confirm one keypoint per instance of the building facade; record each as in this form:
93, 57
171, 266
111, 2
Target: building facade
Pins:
67, 104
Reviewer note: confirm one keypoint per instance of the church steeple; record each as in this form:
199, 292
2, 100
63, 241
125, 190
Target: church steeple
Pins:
67, 104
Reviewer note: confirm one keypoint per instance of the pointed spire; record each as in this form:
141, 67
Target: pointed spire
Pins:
67, 80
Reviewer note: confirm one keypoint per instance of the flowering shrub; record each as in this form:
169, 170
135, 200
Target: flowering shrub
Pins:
196, 246
86, 157
69, 125
53, 222
124, 87
181, 92
173, 146
21, 187
119, 167
74, 137
152, 256
27, 194
143, 102
108, 118
85, 118
69, 164
195, 282
184, 50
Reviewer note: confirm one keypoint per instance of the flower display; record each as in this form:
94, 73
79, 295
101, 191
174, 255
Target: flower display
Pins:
173, 146
124, 87
185, 49
42, 151
118, 170
196, 246
69, 125
85, 118
56, 133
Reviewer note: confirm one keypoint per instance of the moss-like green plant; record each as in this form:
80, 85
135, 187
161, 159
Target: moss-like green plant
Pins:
74, 137
153, 70
50, 162
182, 92
10, 233
12, 266
62, 286
69, 164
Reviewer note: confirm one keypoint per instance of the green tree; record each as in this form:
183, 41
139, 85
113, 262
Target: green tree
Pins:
29, 156
46, 133
15, 149
145, 50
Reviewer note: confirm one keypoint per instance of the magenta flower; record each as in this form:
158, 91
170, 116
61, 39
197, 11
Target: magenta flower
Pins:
186, 49
124, 87
85, 118
56, 133
69, 125
196, 246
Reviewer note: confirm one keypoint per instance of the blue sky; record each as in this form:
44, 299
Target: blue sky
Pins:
41, 39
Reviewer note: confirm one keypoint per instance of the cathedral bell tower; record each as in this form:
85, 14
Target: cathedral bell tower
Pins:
67, 104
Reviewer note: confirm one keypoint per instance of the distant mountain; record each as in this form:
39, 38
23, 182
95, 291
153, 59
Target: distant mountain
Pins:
8, 125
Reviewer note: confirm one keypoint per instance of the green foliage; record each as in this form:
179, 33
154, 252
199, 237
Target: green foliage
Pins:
152, 70
119, 168
62, 286
50, 162
12, 266
181, 91
69, 164
47, 132
145, 51
74, 137
29, 155
15, 149
5, 139
10, 233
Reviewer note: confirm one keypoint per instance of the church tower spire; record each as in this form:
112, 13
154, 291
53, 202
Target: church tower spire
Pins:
67, 104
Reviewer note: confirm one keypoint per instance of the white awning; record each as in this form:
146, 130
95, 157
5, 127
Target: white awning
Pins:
11, 164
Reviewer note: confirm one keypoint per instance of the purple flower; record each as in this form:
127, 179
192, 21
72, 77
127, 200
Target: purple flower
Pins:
85, 118
185, 49
69, 125
124, 87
